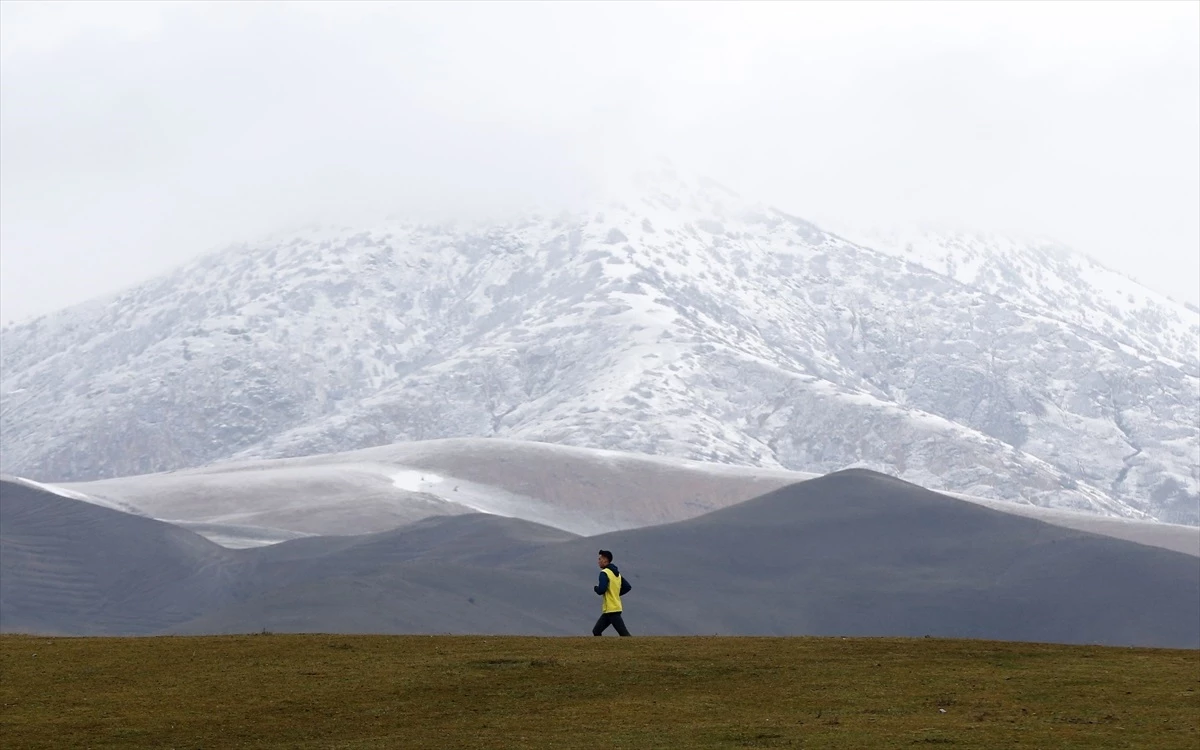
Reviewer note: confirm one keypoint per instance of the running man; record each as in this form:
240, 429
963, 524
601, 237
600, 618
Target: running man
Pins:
611, 586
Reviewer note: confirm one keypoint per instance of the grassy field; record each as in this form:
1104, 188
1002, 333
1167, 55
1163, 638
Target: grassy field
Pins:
323, 691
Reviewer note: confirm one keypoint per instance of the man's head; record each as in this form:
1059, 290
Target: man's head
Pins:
604, 559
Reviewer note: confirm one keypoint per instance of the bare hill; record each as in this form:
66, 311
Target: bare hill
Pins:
851, 553
72, 567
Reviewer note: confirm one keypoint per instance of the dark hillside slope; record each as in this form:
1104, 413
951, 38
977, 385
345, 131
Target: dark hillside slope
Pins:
440, 575
861, 553
853, 553
74, 568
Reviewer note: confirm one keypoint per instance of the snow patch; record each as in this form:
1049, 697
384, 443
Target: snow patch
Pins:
73, 495
412, 480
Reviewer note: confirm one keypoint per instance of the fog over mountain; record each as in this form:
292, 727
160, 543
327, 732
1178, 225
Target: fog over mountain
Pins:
954, 244
130, 147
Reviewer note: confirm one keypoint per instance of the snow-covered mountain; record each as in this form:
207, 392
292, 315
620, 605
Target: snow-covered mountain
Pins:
1043, 274
680, 320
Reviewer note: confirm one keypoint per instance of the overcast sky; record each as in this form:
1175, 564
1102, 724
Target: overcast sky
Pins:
135, 136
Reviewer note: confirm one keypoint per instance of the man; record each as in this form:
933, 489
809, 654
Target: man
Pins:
611, 587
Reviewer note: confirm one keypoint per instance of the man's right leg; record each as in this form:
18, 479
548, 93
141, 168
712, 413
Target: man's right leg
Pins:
618, 622
601, 625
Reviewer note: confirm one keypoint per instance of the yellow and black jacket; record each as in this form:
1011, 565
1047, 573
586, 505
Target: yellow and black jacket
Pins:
611, 586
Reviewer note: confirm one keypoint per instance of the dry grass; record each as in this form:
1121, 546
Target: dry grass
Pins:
325, 691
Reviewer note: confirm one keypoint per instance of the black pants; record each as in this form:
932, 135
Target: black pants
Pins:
610, 618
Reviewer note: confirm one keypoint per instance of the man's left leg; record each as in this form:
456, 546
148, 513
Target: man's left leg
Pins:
602, 625
619, 623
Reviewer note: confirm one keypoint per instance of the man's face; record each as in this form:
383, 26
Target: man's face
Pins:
602, 561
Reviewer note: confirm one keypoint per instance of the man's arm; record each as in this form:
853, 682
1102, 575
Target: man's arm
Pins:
603, 584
